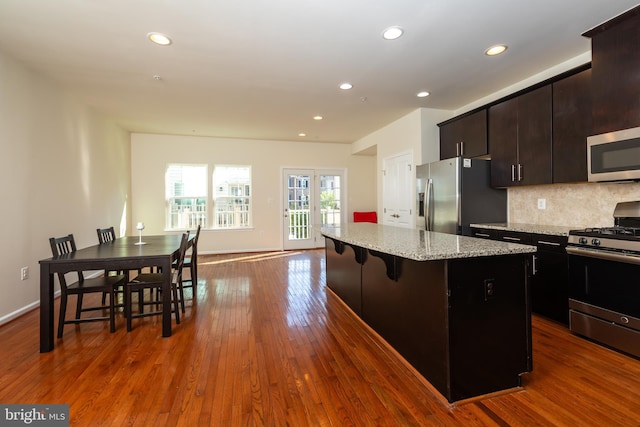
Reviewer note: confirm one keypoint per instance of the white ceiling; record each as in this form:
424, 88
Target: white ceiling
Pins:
263, 68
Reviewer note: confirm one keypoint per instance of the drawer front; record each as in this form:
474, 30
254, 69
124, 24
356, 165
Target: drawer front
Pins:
610, 334
484, 233
550, 243
516, 237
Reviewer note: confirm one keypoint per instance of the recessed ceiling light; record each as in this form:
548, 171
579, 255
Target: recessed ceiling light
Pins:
392, 33
495, 50
346, 86
159, 38
422, 94
317, 117
302, 134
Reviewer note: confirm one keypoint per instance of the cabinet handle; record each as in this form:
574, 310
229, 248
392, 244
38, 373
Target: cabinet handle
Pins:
519, 172
512, 239
544, 242
461, 148
535, 269
513, 173
482, 235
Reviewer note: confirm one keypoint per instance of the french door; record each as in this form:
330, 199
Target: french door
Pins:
311, 198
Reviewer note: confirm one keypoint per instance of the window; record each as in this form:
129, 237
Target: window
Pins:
186, 195
189, 201
232, 196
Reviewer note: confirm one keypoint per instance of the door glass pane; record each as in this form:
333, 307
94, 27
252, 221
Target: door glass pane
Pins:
299, 207
330, 200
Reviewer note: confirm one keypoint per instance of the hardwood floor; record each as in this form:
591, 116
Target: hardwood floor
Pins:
266, 343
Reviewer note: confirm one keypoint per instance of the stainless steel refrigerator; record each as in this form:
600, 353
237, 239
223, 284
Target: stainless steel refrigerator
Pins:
453, 193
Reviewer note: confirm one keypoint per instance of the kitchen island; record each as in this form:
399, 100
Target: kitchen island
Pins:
455, 307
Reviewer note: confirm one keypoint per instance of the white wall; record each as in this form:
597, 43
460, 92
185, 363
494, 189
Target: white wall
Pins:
416, 133
64, 170
151, 153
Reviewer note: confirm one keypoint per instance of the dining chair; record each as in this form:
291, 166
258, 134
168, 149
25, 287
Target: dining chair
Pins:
106, 235
153, 281
191, 263
103, 284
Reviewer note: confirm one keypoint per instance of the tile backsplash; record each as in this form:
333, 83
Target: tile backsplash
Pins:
572, 205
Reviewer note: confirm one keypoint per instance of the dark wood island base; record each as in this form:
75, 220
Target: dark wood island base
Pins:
463, 323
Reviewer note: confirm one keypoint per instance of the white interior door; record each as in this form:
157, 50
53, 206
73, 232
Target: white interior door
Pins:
397, 190
312, 197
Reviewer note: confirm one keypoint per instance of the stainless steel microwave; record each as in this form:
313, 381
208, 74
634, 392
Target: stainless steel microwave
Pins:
614, 156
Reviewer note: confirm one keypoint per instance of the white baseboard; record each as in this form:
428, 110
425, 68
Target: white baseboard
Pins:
11, 316
239, 251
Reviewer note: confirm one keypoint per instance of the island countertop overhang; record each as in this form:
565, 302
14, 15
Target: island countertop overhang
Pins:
419, 245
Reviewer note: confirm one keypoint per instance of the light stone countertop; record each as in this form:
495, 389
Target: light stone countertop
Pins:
420, 245
553, 230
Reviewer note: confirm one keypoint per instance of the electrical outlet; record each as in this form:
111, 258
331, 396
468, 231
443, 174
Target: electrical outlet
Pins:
489, 289
542, 203
24, 273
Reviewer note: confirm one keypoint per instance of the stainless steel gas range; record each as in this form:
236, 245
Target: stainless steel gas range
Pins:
604, 281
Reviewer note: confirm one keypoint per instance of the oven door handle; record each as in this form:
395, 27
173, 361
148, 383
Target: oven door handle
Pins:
610, 256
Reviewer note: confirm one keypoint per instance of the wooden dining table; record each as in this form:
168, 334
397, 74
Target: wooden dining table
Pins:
120, 254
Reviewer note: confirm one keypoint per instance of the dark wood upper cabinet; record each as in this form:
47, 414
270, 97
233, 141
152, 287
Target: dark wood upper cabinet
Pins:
571, 127
615, 47
465, 136
503, 136
534, 137
520, 139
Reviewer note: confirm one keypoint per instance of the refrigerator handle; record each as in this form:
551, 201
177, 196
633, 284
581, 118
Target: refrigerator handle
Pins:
428, 217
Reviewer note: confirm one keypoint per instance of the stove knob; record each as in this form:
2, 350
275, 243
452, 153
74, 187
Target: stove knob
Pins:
595, 242
582, 240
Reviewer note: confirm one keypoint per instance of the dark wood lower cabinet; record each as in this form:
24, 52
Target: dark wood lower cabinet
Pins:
464, 324
489, 335
550, 284
550, 272
410, 313
344, 272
